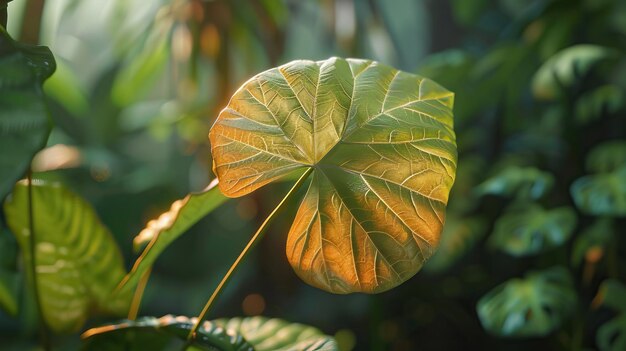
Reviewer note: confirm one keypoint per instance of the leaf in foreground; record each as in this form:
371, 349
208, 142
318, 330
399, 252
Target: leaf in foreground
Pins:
611, 336
534, 306
78, 263
235, 334
161, 232
529, 230
24, 120
383, 151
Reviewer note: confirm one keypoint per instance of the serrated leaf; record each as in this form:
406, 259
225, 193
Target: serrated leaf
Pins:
607, 157
24, 120
566, 67
235, 334
531, 307
160, 233
459, 236
596, 237
78, 263
383, 153
611, 336
529, 230
601, 194
523, 182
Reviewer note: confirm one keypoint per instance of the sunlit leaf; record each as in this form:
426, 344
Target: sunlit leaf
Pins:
596, 237
611, 336
529, 230
24, 120
459, 236
534, 306
601, 194
607, 157
591, 105
565, 68
236, 334
381, 144
523, 182
78, 263
159, 233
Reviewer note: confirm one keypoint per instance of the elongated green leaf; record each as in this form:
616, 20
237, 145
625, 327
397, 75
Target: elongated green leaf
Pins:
611, 336
530, 230
528, 182
383, 151
236, 334
24, 120
596, 237
459, 236
161, 232
534, 306
78, 263
601, 194
566, 67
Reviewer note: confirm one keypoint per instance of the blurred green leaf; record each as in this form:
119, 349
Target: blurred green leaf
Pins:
607, 157
65, 88
611, 336
236, 334
161, 232
605, 99
597, 236
531, 307
459, 236
522, 182
78, 263
24, 120
8, 292
467, 12
565, 68
601, 194
529, 229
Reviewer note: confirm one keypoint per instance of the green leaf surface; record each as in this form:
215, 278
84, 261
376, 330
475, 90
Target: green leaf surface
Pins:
593, 104
383, 151
529, 229
531, 307
24, 120
523, 182
601, 194
607, 157
611, 336
78, 263
161, 232
459, 236
8, 292
596, 237
566, 67
235, 334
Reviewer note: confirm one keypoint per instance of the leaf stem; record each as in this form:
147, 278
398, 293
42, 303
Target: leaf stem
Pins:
253, 241
136, 302
32, 246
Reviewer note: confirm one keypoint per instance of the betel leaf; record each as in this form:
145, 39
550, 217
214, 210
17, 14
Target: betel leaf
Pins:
459, 236
529, 229
159, 233
530, 307
236, 334
566, 67
523, 182
382, 149
24, 120
602, 194
611, 336
78, 263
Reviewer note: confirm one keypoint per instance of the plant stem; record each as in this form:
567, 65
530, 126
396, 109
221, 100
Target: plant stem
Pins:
45, 337
253, 241
136, 302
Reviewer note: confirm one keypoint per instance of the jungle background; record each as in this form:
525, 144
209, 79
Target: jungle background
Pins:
541, 184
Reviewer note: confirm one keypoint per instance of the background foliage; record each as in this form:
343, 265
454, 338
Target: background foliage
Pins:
533, 252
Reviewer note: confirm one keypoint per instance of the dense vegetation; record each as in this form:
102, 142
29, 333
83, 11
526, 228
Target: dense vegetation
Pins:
531, 254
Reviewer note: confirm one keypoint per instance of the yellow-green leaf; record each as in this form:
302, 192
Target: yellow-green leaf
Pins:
382, 148
78, 263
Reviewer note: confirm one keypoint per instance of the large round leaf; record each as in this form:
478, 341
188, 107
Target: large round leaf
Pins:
529, 230
533, 306
77, 261
383, 151
235, 334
